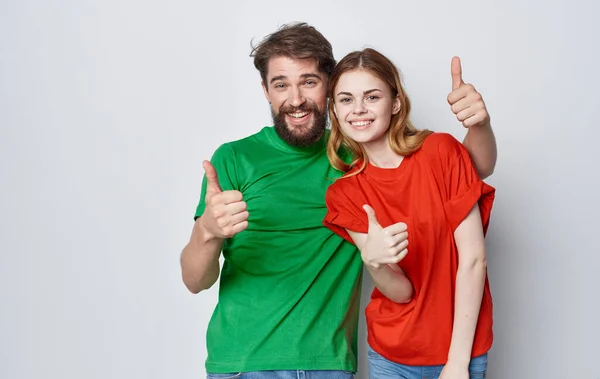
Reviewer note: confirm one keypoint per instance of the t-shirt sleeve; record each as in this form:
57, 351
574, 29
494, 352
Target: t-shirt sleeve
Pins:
343, 212
462, 184
223, 161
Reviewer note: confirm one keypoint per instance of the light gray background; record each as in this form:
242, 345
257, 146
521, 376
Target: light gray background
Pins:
107, 109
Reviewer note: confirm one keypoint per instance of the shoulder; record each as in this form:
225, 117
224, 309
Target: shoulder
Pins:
441, 148
441, 143
441, 151
242, 146
250, 141
344, 188
337, 187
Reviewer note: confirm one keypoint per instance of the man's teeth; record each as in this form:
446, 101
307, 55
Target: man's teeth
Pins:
361, 123
298, 115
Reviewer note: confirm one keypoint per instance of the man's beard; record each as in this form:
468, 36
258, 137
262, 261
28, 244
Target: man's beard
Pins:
300, 136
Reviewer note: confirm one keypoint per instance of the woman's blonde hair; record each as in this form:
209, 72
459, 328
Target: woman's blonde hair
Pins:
403, 137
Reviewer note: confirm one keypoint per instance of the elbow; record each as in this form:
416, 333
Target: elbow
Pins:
402, 297
486, 172
192, 286
194, 290
195, 285
476, 265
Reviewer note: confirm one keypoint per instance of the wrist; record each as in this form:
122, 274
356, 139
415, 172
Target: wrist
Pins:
204, 235
370, 263
459, 359
484, 125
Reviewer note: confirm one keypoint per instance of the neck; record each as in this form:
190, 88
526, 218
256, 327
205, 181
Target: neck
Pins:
380, 154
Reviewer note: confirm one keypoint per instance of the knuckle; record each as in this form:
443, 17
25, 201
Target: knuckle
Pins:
212, 201
217, 200
219, 213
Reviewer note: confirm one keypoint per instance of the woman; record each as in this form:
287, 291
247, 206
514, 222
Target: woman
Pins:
430, 314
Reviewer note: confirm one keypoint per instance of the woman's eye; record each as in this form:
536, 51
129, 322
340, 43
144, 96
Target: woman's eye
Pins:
344, 100
372, 97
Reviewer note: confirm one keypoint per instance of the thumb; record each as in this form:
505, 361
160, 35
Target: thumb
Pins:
456, 71
371, 215
211, 178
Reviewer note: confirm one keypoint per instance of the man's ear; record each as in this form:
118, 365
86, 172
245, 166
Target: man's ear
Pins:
266, 91
396, 106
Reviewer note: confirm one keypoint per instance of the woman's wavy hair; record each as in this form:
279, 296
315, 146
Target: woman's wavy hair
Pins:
403, 137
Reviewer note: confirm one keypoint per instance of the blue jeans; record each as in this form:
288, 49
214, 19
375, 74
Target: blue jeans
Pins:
299, 374
381, 368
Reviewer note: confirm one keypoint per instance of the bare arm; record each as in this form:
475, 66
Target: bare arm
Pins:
380, 250
393, 283
480, 142
470, 281
200, 259
225, 215
468, 106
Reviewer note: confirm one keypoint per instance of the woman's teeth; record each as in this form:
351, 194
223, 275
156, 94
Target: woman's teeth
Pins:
361, 123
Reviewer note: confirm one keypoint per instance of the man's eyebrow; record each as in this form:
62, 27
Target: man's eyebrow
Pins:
276, 78
364, 93
303, 76
310, 75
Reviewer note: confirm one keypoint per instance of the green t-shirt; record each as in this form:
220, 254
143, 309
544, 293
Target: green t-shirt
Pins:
290, 288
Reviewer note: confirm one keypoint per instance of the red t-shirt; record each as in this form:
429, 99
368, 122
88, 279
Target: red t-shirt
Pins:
431, 191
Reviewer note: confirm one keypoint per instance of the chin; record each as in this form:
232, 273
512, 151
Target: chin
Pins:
361, 138
300, 130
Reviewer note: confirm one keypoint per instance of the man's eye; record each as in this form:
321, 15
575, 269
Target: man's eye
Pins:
279, 85
310, 82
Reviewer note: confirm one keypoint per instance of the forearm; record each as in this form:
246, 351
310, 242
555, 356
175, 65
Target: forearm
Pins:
470, 281
394, 285
481, 144
200, 259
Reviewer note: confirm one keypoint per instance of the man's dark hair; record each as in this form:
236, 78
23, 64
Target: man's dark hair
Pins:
296, 41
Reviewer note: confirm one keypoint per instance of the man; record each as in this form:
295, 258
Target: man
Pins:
290, 288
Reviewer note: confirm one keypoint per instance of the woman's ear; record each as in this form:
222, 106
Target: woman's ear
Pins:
396, 106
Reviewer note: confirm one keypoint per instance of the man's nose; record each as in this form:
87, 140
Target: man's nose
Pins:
297, 99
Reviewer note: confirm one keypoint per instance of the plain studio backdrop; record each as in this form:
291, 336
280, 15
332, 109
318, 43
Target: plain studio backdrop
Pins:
107, 109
